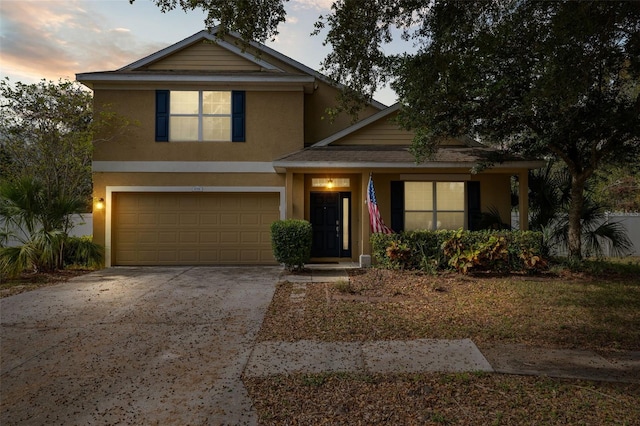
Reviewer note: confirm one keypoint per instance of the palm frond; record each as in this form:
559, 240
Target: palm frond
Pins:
15, 260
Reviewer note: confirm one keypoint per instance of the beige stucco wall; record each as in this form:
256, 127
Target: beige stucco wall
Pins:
318, 125
495, 192
274, 127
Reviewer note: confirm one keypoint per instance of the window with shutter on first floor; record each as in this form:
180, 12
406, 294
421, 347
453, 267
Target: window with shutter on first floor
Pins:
200, 116
433, 205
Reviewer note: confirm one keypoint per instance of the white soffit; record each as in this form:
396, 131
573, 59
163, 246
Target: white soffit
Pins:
183, 166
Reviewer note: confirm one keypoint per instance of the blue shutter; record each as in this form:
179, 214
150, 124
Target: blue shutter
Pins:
237, 116
162, 116
397, 205
474, 213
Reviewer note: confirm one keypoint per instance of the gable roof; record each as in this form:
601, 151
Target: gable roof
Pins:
199, 36
459, 152
386, 114
359, 125
270, 72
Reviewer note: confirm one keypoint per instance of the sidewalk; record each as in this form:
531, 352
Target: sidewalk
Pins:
429, 355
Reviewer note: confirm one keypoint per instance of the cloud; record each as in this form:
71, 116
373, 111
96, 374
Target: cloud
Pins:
57, 39
323, 5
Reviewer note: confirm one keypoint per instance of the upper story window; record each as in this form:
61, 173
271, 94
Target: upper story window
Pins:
200, 116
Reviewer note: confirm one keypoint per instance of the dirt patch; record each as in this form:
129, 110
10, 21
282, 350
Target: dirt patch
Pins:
32, 281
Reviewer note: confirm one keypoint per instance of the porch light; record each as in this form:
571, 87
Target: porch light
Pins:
330, 183
100, 204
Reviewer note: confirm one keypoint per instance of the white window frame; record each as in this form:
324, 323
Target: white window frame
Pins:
201, 115
434, 212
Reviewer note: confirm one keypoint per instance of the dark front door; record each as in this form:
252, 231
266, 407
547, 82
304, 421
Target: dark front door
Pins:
330, 212
325, 220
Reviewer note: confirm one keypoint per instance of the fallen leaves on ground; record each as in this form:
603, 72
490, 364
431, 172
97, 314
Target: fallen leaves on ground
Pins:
543, 311
436, 399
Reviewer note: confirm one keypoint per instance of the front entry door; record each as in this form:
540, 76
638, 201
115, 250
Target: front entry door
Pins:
330, 222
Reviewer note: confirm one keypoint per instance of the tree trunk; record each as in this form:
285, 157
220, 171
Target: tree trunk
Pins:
575, 217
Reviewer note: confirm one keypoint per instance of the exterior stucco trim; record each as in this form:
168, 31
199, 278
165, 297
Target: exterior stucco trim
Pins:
110, 190
183, 166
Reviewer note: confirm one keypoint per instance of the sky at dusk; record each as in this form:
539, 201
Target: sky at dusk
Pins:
55, 39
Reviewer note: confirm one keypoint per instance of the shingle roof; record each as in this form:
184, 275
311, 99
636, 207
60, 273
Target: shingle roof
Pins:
396, 156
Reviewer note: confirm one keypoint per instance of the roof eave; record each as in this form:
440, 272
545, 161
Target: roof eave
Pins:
283, 165
89, 79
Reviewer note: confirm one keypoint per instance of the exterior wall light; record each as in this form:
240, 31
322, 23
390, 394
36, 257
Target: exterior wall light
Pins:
100, 204
330, 183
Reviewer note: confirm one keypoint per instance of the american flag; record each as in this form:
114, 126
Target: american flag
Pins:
377, 225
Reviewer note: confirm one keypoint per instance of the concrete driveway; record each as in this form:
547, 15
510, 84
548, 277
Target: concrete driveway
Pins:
133, 346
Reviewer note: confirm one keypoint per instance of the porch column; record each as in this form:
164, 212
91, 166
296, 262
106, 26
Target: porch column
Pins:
288, 191
523, 200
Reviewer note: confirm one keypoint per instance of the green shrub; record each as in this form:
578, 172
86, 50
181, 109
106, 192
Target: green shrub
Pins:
495, 251
291, 242
82, 251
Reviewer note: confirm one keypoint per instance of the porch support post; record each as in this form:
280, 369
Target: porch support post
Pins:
523, 200
288, 186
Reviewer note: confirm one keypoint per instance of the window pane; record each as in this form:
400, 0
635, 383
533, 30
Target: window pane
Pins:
345, 224
450, 196
450, 220
183, 129
183, 102
216, 128
418, 196
418, 220
216, 102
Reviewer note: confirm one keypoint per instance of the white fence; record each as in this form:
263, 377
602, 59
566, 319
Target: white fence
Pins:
83, 225
629, 221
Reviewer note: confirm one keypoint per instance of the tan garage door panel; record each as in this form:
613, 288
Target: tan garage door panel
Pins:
193, 229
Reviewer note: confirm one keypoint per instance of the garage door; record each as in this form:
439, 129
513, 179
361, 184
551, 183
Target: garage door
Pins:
193, 228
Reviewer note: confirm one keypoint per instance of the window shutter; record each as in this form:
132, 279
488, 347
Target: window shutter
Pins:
237, 116
397, 206
162, 116
474, 214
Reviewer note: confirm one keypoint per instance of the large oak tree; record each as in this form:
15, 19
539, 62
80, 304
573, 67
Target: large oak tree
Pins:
553, 79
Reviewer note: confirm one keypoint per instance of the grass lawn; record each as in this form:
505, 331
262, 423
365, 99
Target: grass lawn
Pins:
597, 308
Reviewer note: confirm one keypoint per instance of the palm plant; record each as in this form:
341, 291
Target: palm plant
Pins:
549, 201
38, 222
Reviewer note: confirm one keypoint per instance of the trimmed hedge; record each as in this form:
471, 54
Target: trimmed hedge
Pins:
291, 242
495, 251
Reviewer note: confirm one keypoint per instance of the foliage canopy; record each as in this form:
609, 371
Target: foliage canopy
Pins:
46, 132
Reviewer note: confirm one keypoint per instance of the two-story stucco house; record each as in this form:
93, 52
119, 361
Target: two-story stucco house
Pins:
228, 141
